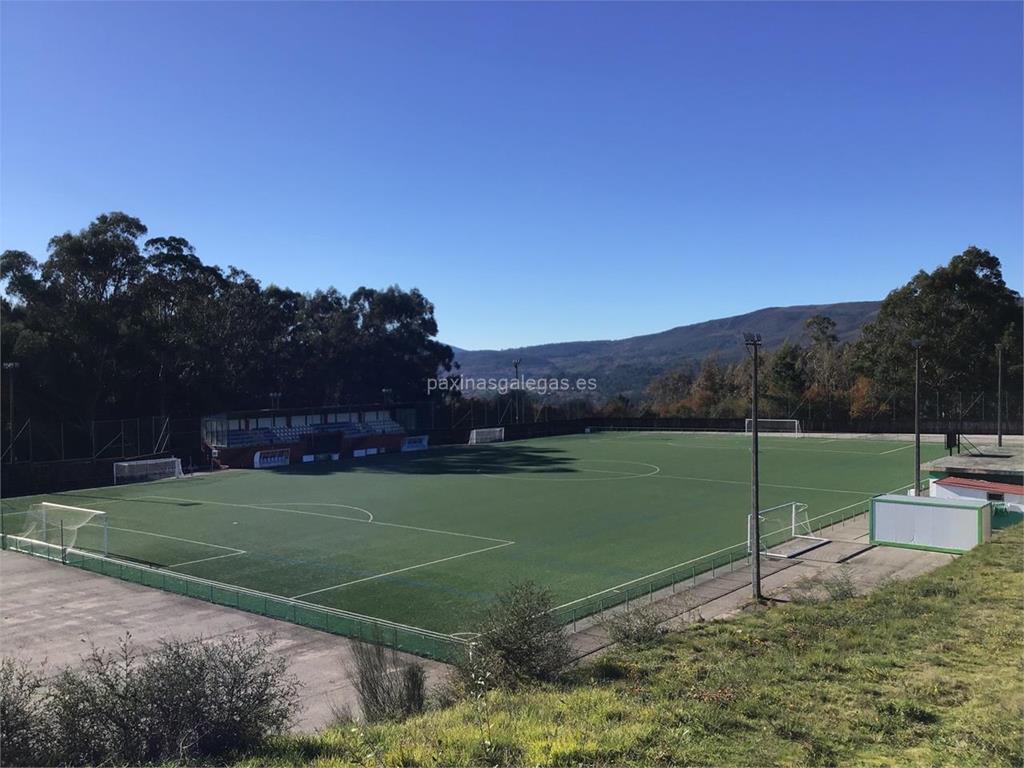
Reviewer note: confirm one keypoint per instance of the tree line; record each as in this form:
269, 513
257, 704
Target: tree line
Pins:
111, 324
959, 315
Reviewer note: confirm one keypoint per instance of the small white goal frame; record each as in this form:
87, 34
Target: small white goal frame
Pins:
798, 528
48, 509
774, 426
141, 470
487, 435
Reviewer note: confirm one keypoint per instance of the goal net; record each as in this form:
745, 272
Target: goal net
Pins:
779, 525
488, 435
272, 457
785, 426
60, 525
146, 469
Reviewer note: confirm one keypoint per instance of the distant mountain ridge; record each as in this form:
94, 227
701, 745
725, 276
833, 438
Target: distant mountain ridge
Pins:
627, 366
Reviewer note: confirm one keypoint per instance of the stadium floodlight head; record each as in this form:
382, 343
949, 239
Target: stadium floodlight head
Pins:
752, 339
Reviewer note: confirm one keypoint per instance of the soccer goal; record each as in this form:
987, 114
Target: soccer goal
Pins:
781, 524
488, 435
63, 526
146, 469
272, 457
783, 426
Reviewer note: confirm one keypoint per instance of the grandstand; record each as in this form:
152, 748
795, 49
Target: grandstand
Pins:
236, 437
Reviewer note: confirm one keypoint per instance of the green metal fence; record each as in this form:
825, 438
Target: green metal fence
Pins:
687, 574
422, 642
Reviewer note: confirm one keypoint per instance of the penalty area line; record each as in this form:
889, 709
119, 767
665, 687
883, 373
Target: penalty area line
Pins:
401, 570
901, 448
370, 521
235, 550
207, 559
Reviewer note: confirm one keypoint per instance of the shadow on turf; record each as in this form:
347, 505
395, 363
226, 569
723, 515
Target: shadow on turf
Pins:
491, 460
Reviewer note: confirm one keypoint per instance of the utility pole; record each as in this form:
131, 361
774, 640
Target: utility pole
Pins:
515, 395
11, 368
916, 344
999, 395
753, 341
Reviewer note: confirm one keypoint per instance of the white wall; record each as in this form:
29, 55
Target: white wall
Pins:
897, 520
1014, 502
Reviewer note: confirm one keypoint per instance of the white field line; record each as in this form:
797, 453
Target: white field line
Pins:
655, 467
617, 587
698, 447
206, 559
618, 475
334, 517
401, 570
842, 509
763, 485
236, 550
369, 514
901, 448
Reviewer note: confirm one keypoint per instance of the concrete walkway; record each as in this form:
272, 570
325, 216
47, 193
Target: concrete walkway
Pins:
55, 613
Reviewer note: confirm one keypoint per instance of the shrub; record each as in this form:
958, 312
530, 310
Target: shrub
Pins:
840, 585
519, 640
635, 627
837, 585
182, 702
389, 689
24, 732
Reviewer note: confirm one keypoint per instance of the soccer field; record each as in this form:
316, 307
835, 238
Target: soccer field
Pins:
427, 539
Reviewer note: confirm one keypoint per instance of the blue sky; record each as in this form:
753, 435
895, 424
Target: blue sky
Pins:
542, 172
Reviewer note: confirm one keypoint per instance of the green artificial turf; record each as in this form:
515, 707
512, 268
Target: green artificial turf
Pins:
427, 539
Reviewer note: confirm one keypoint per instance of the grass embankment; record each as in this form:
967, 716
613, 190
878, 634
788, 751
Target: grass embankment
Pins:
924, 672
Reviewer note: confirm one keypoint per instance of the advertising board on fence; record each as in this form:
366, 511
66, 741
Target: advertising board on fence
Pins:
418, 443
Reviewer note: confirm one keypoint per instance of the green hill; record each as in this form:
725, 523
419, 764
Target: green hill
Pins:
628, 365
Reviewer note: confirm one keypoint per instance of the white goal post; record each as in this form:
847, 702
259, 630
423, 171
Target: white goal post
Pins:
272, 457
784, 426
146, 469
488, 435
58, 526
781, 524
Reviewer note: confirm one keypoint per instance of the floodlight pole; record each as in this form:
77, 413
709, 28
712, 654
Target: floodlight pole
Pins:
999, 395
916, 344
11, 367
753, 340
